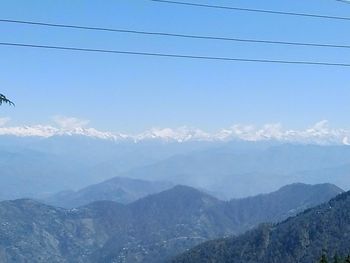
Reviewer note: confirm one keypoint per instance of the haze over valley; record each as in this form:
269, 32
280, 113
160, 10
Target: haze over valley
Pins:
38, 167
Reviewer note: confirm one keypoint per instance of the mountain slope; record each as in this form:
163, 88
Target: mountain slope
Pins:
146, 231
33, 232
279, 205
166, 224
300, 239
150, 230
180, 218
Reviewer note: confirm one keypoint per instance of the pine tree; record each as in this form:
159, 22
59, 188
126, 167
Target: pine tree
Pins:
336, 259
324, 259
347, 260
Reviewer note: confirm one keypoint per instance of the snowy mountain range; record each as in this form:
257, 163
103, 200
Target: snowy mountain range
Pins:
319, 133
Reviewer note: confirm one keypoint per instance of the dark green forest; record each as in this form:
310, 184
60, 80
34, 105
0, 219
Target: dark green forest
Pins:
334, 259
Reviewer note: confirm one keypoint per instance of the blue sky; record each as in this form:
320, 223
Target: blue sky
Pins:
130, 94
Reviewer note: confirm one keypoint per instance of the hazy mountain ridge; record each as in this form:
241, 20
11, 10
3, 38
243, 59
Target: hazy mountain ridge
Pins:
298, 239
237, 171
151, 229
119, 189
38, 167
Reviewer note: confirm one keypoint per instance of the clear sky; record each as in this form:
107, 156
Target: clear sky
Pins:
133, 93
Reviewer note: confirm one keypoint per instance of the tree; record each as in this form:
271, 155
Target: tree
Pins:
347, 260
336, 259
5, 100
324, 259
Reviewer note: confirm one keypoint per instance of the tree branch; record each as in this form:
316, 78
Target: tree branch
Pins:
5, 100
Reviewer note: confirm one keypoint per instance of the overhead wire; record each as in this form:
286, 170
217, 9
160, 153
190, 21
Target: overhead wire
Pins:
266, 11
180, 56
167, 34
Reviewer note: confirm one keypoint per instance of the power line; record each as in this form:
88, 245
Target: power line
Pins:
175, 55
201, 37
344, 1
253, 10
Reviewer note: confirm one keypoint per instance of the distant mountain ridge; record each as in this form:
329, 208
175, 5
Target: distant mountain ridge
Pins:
244, 171
152, 229
39, 167
119, 189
